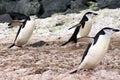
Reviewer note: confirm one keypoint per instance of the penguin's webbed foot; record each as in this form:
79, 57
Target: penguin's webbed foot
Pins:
73, 71
11, 45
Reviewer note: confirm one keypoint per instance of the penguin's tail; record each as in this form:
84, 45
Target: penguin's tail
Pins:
72, 72
12, 45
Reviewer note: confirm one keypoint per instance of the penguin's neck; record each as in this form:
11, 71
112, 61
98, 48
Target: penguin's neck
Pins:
102, 44
104, 39
30, 24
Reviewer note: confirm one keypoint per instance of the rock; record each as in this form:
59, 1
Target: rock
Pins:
17, 16
38, 44
41, 9
48, 7
78, 4
2, 8
83, 4
108, 3
5, 18
26, 7
54, 6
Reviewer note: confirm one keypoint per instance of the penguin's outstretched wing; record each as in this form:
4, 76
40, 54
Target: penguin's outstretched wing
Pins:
75, 33
21, 26
77, 25
81, 23
86, 52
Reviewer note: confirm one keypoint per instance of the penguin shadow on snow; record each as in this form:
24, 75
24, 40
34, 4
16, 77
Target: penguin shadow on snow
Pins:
38, 44
56, 45
81, 43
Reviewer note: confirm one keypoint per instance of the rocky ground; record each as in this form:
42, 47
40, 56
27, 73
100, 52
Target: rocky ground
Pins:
44, 59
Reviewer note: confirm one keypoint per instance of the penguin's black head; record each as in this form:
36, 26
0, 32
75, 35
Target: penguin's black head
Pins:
110, 29
91, 13
105, 31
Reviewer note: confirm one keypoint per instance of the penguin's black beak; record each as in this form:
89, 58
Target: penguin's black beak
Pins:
116, 30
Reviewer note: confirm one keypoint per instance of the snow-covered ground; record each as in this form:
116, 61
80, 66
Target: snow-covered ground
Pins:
50, 61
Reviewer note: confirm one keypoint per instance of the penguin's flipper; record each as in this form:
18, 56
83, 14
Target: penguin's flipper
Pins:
18, 32
86, 52
21, 26
16, 36
73, 37
75, 26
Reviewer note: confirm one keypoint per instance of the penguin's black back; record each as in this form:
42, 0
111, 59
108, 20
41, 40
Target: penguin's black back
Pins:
101, 32
82, 22
73, 37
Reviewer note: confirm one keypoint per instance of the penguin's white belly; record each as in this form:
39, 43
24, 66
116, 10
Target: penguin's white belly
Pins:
85, 31
96, 53
25, 34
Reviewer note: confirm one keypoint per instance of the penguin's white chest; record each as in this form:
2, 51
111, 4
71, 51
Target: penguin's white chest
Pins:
25, 33
96, 52
85, 31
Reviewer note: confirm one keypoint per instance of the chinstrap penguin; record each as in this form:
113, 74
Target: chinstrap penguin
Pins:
82, 28
96, 49
24, 32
